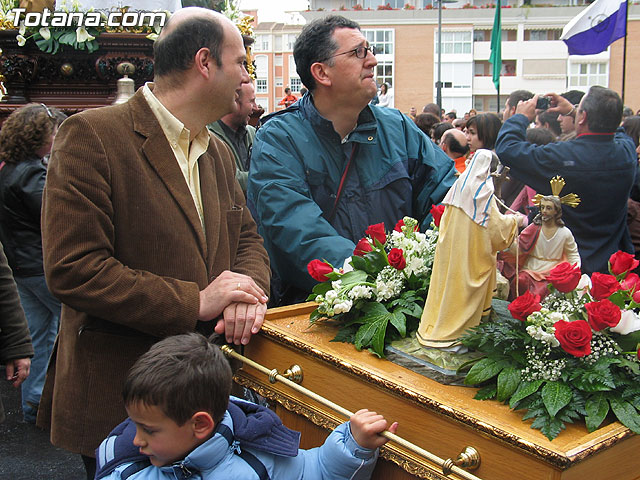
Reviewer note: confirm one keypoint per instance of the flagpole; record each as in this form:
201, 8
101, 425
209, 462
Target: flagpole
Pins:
624, 49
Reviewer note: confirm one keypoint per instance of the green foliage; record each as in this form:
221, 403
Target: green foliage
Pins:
585, 389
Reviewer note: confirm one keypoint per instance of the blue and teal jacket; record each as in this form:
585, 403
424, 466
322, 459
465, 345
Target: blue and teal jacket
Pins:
297, 165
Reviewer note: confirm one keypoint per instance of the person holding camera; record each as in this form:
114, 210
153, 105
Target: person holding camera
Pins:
599, 165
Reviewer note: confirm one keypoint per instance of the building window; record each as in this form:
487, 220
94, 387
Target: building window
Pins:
277, 60
295, 84
261, 85
588, 74
291, 40
262, 73
485, 35
541, 35
383, 41
262, 43
454, 42
456, 75
483, 68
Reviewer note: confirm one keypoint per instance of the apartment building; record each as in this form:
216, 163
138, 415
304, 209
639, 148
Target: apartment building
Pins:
533, 56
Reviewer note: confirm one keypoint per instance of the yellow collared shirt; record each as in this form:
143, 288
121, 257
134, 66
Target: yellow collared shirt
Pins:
185, 152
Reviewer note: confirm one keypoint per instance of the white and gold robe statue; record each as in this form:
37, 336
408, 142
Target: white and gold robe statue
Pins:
472, 231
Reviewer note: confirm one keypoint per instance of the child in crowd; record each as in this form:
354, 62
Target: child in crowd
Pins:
183, 424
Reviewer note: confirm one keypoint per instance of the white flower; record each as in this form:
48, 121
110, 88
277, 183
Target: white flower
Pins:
342, 307
346, 266
330, 296
360, 291
45, 33
336, 284
556, 317
584, 284
83, 36
22, 28
629, 322
21, 40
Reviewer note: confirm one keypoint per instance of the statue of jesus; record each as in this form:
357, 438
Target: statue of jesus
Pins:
542, 245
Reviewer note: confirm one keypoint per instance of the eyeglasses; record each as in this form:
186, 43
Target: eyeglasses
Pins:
359, 52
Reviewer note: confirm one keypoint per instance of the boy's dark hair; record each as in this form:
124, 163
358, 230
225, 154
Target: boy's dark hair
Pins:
439, 129
182, 375
175, 51
315, 44
518, 95
425, 122
574, 96
551, 119
540, 136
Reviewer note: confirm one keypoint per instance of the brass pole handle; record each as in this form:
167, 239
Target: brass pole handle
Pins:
451, 467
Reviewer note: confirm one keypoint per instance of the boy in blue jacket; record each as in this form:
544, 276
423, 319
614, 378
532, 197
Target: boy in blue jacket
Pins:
183, 424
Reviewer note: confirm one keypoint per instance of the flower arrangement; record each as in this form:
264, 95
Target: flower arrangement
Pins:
574, 356
379, 293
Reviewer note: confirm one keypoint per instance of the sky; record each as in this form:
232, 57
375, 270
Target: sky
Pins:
273, 10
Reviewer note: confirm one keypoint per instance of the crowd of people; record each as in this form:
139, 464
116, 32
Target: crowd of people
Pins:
170, 214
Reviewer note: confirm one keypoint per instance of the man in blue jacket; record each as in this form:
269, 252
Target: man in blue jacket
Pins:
599, 165
326, 168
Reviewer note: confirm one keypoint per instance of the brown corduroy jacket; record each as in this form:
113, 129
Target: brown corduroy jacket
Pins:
125, 252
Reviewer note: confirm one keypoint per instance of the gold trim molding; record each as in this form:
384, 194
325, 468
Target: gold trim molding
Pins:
392, 453
553, 458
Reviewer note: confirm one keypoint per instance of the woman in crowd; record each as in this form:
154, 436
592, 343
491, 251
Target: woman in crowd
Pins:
482, 131
385, 97
25, 143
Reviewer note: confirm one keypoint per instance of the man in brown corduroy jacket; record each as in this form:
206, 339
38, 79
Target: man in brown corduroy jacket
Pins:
145, 229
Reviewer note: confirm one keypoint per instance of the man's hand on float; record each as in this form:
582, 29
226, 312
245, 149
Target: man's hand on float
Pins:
240, 321
229, 288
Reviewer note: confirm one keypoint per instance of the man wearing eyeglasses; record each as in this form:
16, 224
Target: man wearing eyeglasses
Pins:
329, 166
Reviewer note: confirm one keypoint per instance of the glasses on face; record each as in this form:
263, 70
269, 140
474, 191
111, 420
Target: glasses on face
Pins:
359, 52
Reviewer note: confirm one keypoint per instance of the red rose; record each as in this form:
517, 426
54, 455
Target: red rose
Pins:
377, 232
636, 296
603, 314
400, 224
631, 282
565, 277
603, 285
621, 262
396, 258
638, 353
574, 337
524, 305
363, 246
436, 212
319, 269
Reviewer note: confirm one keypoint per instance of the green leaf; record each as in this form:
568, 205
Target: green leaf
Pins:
373, 331
628, 342
484, 370
319, 289
353, 277
549, 426
524, 390
399, 321
68, 38
358, 263
508, 381
626, 413
486, 393
597, 409
556, 395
